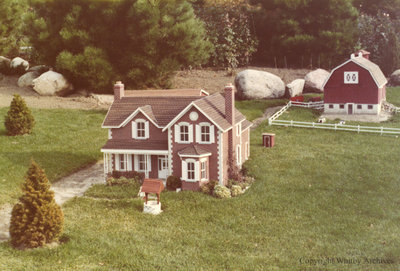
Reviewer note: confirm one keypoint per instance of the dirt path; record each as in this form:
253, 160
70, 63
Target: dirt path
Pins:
267, 114
66, 188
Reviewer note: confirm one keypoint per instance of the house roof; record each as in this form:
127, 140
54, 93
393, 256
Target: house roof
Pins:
166, 93
373, 69
163, 111
246, 124
194, 150
113, 144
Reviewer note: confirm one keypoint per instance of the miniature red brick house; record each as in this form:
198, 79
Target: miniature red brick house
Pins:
357, 86
186, 133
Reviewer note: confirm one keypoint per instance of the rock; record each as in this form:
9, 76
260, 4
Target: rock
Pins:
394, 79
26, 80
19, 65
52, 83
315, 80
151, 207
4, 65
252, 84
295, 88
39, 69
103, 98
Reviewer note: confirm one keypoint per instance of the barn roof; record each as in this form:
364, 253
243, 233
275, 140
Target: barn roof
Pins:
370, 66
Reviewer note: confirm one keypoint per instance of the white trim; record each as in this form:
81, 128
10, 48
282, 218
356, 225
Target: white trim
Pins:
151, 152
211, 133
247, 150
185, 110
196, 156
204, 160
220, 158
362, 66
205, 92
169, 134
239, 155
131, 116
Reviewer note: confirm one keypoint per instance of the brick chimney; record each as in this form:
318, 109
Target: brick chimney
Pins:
119, 90
230, 103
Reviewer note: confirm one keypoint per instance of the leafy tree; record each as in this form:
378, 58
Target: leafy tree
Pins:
373, 7
378, 36
11, 26
19, 119
301, 29
142, 42
36, 219
228, 26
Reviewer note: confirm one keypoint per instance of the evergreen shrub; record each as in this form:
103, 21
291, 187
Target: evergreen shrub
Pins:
19, 119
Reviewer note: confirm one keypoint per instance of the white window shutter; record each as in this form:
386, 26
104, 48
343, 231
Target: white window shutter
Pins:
212, 132
190, 133
134, 130
184, 170
146, 130
198, 133
177, 133
136, 162
197, 170
116, 162
148, 162
129, 162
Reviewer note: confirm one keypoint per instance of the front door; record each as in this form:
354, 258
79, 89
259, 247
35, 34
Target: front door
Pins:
162, 167
350, 109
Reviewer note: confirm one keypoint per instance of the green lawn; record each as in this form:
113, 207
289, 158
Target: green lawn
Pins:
317, 194
62, 142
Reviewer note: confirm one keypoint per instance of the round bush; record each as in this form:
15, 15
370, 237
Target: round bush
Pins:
236, 190
222, 192
173, 183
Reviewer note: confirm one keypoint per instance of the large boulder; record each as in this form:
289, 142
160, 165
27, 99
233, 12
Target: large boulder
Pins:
52, 83
40, 69
4, 65
19, 65
295, 88
315, 80
394, 79
26, 80
252, 84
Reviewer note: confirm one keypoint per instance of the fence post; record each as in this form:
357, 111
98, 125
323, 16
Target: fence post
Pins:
335, 126
381, 130
313, 124
358, 129
291, 123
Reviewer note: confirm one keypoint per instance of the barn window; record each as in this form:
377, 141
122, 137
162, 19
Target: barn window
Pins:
331, 106
370, 106
351, 77
359, 106
341, 106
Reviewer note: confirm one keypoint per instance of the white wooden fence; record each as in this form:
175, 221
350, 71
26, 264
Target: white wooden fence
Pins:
329, 126
315, 105
337, 127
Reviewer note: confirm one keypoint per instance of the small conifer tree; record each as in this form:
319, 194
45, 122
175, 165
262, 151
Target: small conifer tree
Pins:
19, 119
36, 219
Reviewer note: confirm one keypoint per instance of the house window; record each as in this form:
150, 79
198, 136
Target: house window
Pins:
122, 162
184, 133
238, 155
142, 162
203, 170
341, 106
109, 134
331, 106
370, 106
141, 130
359, 106
238, 130
205, 133
190, 171
247, 150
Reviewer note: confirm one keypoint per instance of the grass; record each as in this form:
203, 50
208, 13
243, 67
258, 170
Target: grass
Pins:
318, 194
255, 109
62, 142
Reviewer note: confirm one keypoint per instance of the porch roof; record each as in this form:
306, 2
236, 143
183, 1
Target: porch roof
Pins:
135, 146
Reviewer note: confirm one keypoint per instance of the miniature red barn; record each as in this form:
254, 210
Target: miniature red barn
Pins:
185, 133
357, 86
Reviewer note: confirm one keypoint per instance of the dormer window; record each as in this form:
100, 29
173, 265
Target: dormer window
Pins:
183, 132
140, 129
205, 133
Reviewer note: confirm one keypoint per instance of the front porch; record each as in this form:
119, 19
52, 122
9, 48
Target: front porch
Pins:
154, 165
